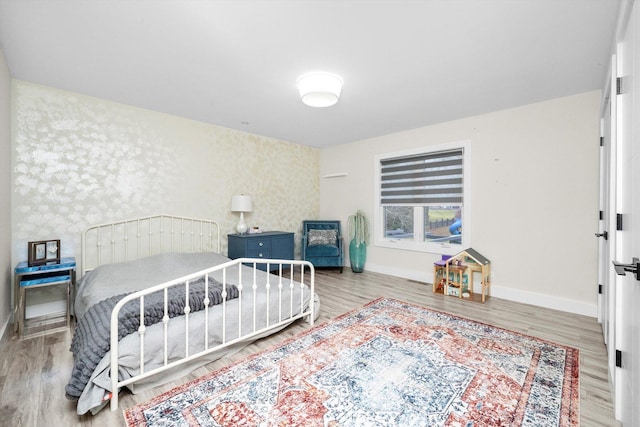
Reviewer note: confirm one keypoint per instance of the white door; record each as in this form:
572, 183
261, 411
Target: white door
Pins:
627, 236
629, 161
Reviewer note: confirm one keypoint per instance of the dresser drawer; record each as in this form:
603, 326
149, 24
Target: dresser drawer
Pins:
259, 253
258, 244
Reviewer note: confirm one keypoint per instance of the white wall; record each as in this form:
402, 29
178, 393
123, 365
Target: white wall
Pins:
534, 198
5, 194
80, 160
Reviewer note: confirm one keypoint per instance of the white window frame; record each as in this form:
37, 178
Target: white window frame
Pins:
418, 243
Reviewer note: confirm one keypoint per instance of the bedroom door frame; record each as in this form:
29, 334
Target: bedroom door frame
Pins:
605, 297
609, 196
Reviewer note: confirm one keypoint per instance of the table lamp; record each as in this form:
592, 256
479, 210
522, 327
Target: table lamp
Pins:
241, 203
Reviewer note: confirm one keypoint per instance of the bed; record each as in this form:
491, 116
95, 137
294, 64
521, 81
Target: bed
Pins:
197, 304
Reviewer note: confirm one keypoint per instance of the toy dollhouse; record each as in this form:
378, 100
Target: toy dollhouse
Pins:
453, 275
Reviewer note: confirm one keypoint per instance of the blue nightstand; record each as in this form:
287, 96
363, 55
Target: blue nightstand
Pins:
268, 245
52, 274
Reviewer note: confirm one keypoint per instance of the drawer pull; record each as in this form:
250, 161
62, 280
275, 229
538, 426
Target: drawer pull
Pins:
260, 255
260, 244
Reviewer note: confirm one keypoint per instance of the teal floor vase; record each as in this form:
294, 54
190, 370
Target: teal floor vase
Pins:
357, 256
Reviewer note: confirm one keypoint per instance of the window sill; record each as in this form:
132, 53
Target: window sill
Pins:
434, 248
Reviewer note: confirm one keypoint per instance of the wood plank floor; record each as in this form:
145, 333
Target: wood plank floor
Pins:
34, 371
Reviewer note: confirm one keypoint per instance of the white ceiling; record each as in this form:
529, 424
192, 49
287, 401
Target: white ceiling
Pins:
405, 64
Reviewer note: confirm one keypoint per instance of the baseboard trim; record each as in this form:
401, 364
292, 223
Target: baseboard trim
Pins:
6, 331
516, 295
546, 301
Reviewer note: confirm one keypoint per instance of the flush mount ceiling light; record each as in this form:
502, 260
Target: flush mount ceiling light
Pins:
319, 89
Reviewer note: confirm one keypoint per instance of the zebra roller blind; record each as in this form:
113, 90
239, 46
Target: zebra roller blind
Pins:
432, 179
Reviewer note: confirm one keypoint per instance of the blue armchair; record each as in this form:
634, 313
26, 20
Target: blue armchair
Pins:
322, 244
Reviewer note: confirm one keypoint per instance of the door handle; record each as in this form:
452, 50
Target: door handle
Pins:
622, 269
603, 234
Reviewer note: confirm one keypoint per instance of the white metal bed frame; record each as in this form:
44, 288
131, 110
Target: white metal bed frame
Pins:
145, 236
136, 238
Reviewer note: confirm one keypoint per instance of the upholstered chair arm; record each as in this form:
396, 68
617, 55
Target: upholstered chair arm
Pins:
304, 246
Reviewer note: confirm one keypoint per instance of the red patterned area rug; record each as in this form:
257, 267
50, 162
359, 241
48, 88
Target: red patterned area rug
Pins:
388, 363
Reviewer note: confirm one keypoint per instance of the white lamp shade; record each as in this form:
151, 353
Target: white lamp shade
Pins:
241, 203
319, 89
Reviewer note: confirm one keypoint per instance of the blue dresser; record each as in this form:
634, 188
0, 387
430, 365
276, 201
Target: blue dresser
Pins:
267, 245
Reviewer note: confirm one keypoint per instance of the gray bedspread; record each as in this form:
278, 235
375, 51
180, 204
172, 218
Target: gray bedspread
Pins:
91, 340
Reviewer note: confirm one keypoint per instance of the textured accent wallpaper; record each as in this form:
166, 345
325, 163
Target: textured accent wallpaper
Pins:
80, 160
6, 266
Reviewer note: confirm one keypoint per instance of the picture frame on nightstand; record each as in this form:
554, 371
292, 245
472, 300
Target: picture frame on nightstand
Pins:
43, 252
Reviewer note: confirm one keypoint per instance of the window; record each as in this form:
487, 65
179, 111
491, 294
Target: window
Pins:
422, 200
